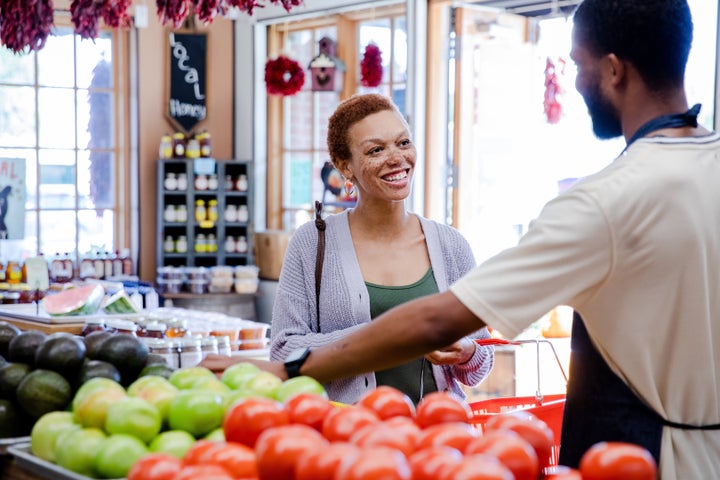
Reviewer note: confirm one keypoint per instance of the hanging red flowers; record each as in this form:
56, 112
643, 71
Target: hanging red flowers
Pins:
283, 76
371, 69
553, 91
25, 23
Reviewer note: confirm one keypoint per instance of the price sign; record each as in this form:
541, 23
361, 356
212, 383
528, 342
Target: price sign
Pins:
37, 273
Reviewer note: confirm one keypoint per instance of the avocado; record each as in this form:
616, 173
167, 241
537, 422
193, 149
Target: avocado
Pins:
22, 348
63, 354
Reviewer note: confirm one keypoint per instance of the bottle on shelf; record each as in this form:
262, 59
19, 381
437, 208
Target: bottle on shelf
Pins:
242, 183
181, 213
69, 266
170, 182
205, 144
87, 268
213, 182
99, 263
13, 272
166, 146
2, 272
241, 246
182, 182
231, 213
127, 264
108, 261
117, 264
178, 144
229, 183
193, 148
181, 244
169, 244
212, 211
57, 269
230, 245
169, 215
201, 182
200, 210
211, 243
243, 214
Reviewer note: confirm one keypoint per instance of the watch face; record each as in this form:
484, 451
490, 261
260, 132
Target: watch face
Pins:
297, 354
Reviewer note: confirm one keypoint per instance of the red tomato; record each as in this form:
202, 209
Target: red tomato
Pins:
249, 417
441, 407
375, 462
278, 449
388, 402
478, 467
451, 434
200, 452
205, 472
341, 423
238, 459
430, 463
561, 472
322, 464
309, 409
529, 427
512, 450
404, 424
609, 460
155, 466
379, 434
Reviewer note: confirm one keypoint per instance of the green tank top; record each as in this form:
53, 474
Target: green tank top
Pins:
415, 378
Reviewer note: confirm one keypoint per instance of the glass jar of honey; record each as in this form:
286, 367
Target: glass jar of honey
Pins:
155, 330
176, 328
13, 272
92, 325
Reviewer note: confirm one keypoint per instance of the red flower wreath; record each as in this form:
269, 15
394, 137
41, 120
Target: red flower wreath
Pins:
371, 69
283, 76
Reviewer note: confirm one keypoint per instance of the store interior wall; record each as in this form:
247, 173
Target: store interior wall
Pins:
152, 59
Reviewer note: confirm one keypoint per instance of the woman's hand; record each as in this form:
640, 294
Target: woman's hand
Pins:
218, 363
458, 353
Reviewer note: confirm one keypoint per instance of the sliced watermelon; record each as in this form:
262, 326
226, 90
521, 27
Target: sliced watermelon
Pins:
83, 300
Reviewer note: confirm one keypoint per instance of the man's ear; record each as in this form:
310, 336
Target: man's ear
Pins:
616, 69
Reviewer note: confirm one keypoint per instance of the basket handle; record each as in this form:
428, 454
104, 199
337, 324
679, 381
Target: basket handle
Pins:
502, 341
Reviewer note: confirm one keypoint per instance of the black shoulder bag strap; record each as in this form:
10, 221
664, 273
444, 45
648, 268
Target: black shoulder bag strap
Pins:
320, 224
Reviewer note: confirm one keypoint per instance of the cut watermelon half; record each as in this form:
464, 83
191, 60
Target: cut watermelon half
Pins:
83, 300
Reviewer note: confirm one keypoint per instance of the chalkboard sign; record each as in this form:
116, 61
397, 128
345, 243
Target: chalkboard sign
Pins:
186, 106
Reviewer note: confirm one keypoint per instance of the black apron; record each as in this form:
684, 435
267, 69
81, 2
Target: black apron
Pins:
599, 405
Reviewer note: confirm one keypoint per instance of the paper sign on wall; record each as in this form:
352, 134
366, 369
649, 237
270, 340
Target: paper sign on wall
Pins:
12, 198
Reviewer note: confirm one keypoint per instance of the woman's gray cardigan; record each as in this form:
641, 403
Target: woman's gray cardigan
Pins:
345, 305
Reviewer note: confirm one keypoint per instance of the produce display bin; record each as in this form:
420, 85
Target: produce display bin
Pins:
6, 443
42, 468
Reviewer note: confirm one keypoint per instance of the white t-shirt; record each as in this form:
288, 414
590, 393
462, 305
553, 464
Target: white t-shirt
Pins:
635, 249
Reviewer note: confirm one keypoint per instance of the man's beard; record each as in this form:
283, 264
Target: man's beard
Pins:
605, 120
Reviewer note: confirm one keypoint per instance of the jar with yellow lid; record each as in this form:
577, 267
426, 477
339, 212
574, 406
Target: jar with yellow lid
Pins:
200, 210
212, 210
176, 328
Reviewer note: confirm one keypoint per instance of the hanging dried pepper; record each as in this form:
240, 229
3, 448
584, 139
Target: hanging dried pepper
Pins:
25, 23
206, 10
115, 13
85, 15
288, 4
173, 11
371, 69
246, 6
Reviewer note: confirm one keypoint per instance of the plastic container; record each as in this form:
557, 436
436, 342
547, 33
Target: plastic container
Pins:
246, 271
246, 285
198, 285
220, 284
172, 286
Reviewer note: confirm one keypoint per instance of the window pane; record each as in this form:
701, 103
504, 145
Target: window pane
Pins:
57, 119
56, 60
298, 181
700, 73
327, 102
57, 231
303, 48
378, 32
17, 116
400, 50
18, 69
299, 121
57, 179
96, 115
30, 171
96, 179
94, 62
97, 230
27, 247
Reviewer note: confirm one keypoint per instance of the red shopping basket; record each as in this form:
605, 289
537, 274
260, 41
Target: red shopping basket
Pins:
548, 408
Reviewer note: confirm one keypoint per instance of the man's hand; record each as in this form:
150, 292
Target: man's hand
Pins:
457, 353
